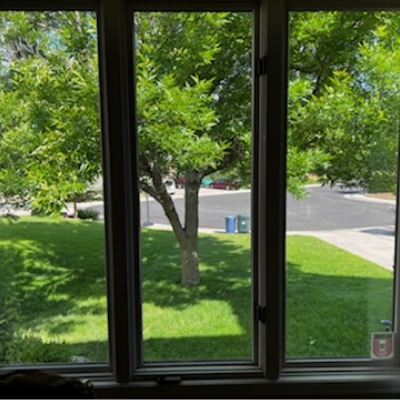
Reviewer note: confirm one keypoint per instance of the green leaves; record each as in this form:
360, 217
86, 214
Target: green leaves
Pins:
190, 90
174, 123
50, 142
344, 94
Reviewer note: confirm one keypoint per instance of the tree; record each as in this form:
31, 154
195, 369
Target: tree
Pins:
50, 136
344, 95
325, 81
194, 108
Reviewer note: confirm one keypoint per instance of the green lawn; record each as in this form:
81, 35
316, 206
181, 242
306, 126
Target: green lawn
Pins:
53, 290
335, 299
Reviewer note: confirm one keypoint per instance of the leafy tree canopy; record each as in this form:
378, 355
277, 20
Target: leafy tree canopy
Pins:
49, 125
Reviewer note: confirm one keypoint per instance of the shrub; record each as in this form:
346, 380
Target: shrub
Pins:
88, 214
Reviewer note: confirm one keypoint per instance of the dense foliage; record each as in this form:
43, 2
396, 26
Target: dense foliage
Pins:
49, 128
344, 96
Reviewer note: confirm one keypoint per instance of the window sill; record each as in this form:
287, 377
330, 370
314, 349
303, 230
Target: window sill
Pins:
303, 385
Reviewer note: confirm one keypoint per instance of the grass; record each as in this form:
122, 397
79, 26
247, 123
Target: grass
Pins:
335, 300
53, 279
209, 321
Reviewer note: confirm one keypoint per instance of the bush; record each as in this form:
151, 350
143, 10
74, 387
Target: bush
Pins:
88, 214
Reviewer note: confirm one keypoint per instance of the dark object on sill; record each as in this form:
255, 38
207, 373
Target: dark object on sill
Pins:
36, 384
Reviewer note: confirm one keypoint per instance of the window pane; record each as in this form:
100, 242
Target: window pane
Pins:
52, 287
194, 124
342, 180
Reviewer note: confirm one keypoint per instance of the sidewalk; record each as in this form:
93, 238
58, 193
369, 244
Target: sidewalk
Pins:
375, 244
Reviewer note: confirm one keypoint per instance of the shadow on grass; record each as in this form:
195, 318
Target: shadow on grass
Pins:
51, 268
224, 270
52, 276
225, 273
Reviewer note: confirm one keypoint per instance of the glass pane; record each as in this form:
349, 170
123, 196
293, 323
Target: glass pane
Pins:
193, 72
52, 264
344, 97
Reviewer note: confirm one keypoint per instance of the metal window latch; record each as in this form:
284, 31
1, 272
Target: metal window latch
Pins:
262, 66
261, 313
169, 380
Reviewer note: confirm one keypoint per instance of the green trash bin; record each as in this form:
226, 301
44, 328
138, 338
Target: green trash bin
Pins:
243, 221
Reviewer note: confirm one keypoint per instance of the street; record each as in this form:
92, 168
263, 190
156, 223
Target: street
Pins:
323, 208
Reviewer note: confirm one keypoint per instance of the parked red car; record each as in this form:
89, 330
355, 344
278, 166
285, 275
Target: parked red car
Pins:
226, 184
180, 182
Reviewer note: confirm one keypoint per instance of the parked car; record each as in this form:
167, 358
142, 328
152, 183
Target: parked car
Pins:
206, 182
225, 183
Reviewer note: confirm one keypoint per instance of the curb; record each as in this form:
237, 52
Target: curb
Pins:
363, 197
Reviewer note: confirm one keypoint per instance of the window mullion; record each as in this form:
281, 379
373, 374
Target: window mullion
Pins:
261, 189
122, 237
396, 281
255, 197
273, 199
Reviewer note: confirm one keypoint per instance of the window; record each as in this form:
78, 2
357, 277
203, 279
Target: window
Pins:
53, 289
193, 97
149, 345
343, 117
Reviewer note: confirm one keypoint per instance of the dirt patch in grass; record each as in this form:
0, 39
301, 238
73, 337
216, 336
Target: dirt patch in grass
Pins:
382, 195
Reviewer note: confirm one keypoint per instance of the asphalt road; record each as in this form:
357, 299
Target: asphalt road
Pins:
327, 208
323, 208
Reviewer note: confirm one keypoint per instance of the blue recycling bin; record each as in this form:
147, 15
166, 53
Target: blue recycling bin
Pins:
230, 222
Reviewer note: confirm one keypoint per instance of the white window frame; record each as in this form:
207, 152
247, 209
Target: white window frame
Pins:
268, 375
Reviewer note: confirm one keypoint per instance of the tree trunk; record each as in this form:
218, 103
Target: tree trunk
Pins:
189, 247
187, 236
190, 263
